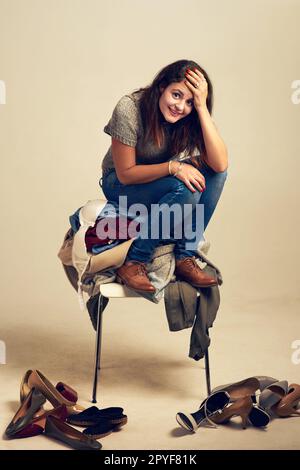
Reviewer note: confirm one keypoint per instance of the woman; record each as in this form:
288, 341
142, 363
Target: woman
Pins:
166, 149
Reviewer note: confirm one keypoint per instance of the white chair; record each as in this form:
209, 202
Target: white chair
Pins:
116, 291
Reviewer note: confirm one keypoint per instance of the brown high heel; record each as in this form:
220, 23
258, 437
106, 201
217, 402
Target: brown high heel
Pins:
241, 389
66, 391
241, 407
38, 381
287, 406
247, 410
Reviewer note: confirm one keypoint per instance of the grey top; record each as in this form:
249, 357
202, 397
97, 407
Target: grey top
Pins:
126, 125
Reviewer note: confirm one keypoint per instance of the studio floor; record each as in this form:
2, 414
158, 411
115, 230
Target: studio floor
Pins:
147, 371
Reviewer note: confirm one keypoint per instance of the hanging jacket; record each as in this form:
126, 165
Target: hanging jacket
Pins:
188, 306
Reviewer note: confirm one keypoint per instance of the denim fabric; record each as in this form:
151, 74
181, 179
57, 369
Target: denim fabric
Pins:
167, 190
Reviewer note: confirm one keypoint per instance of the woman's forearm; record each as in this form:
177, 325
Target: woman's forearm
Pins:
216, 152
139, 174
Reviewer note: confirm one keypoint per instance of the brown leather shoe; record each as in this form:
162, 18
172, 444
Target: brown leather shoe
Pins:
187, 269
134, 275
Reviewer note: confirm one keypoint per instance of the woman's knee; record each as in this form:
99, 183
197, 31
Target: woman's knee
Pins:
216, 180
222, 175
187, 196
219, 180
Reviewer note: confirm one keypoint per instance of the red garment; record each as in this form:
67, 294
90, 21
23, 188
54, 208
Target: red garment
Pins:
121, 233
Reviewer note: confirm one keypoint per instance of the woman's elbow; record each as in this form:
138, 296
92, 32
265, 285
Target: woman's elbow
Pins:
222, 168
222, 165
123, 177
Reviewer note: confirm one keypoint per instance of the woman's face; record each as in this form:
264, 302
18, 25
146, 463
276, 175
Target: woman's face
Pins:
175, 98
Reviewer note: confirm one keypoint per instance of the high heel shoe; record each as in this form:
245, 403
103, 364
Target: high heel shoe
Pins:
287, 406
258, 417
63, 432
26, 411
37, 425
214, 402
241, 389
66, 391
241, 407
244, 408
38, 381
273, 394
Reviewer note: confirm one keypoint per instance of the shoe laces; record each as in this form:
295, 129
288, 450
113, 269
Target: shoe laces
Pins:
141, 268
191, 263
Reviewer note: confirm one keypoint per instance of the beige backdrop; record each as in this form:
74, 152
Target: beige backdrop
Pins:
65, 64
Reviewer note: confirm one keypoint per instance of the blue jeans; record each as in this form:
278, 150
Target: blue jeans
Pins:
167, 191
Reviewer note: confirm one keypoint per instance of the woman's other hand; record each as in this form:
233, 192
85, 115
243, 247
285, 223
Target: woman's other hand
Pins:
190, 176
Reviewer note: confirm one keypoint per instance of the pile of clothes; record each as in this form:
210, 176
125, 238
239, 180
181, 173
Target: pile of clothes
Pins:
89, 260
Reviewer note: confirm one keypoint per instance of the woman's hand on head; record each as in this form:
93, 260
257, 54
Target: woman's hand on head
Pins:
190, 176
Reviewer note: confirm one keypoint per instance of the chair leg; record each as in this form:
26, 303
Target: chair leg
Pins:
98, 347
207, 370
207, 373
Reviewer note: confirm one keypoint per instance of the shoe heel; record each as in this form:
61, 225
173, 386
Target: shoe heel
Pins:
37, 400
244, 418
286, 411
187, 422
258, 417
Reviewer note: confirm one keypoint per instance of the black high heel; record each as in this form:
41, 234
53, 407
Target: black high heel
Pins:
258, 417
32, 403
214, 403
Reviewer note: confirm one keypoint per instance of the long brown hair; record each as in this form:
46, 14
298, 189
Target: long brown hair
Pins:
185, 134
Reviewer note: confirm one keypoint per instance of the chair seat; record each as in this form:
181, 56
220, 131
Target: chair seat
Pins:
116, 290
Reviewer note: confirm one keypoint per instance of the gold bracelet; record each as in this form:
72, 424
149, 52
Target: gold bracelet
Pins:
170, 161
